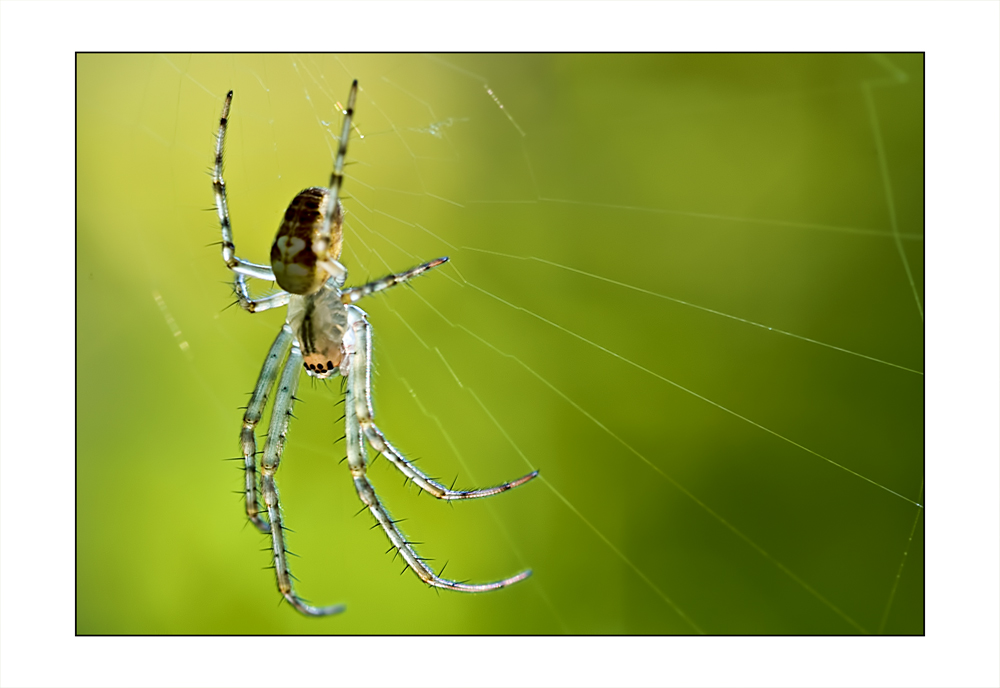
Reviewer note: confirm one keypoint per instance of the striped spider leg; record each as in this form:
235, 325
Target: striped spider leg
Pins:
325, 333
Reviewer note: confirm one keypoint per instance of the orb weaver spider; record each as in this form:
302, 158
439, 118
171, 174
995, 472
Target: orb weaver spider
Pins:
325, 333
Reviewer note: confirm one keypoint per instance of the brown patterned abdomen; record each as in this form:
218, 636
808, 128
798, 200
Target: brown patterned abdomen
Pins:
292, 258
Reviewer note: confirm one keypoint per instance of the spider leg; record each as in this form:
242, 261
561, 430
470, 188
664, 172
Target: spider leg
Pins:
264, 303
237, 265
321, 244
277, 429
378, 441
254, 410
354, 294
357, 411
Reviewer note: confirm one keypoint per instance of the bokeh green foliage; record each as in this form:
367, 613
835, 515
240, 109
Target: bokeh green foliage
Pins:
749, 185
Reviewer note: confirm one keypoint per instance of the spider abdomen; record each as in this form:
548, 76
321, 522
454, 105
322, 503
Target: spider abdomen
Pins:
319, 322
293, 260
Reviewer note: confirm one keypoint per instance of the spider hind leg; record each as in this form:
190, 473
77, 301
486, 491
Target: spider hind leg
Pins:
360, 428
280, 414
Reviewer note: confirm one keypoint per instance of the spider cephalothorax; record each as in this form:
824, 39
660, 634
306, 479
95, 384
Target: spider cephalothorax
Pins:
324, 332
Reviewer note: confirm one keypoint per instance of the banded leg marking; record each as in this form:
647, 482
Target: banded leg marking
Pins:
322, 243
355, 294
251, 417
237, 265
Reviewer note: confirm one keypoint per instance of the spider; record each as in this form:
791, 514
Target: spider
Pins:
326, 334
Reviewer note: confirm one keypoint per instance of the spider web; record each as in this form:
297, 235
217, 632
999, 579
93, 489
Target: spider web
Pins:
687, 289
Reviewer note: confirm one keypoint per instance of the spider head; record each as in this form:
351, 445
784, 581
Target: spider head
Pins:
319, 321
297, 268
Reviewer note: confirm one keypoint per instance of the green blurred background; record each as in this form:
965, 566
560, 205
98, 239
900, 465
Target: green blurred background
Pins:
699, 473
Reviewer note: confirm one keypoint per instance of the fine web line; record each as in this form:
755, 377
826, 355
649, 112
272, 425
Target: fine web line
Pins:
887, 184
602, 536
902, 564
713, 216
539, 587
692, 393
692, 305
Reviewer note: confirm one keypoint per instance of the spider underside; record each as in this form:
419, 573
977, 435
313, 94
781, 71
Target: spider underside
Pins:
325, 333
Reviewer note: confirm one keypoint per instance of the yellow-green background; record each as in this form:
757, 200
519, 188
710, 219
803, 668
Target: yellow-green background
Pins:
749, 185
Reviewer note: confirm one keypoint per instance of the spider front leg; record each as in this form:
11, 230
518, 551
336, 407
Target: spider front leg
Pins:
324, 239
237, 265
359, 426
